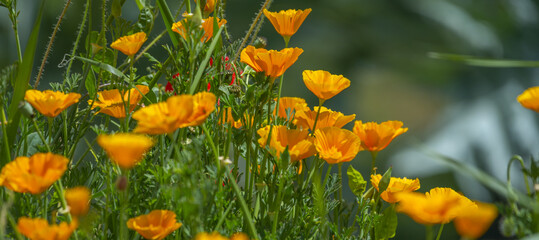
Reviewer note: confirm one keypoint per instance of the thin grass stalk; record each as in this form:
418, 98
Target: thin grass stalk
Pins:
79, 35
51, 41
266, 4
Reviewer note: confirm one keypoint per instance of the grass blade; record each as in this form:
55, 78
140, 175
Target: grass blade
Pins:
483, 62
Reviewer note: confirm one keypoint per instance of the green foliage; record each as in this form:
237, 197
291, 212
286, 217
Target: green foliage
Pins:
355, 181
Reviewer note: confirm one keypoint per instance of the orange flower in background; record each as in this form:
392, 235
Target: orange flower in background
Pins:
305, 118
323, 84
440, 205
50, 103
287, 23
210, 5
78, 200
111, 102
299, 143
336, 145
203, 106
155, 225
288, 106
34, 174
376, 136
207, 26
272, 63
129, 45
125, 149
210, 236
396, 185
39, 229
164, 117
239, 236
530, 98
228, 118
474, 223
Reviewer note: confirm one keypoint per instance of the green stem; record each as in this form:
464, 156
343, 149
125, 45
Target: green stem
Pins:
79, 35
429, 234
320, 103
14, 226
243, 204
213, 148
4, 135
440, 232
13, 17
373, 162
337, 215
251, 28
41, 135
60, 192
277, 206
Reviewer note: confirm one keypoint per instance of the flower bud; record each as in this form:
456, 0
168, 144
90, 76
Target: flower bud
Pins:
26, 109
121, 183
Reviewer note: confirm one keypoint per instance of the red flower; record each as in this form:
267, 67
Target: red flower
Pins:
211, 62
209, 86
169, 88
233, 78
175, 75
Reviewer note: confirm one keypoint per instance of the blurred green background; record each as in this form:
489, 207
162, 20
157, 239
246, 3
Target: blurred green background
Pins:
469, 113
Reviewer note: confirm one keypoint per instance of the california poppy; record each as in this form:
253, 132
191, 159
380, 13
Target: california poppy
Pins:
287, 23
129, 45
272, 63
376, 136
112, 102
125, 149
50, 103
324, 84
155, 225
336, 145
396, 185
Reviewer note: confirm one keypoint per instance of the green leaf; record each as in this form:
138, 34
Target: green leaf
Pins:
103, 66
387, 226
167, 18
356, 181
384, 182
202, 67
23, 78
490, 182
90, 85
145, 21
483, 62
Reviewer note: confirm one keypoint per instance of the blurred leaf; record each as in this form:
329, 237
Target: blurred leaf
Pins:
90, 84
145, 21
490, 182
23, 77
7, 77
387, 226
167, 18
483, 62
356, 181
384, 182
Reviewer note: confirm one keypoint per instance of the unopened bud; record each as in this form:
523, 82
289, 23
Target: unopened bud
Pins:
121, 183
95, 48
224, 161
260, 42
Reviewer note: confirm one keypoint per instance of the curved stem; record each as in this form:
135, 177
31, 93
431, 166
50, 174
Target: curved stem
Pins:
440, 232
41, 135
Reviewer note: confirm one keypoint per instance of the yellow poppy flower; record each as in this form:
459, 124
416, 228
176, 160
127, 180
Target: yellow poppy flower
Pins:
210, 236
210, 5
78, 200
207, 26
129, 45
440, 205
34, 174
239, 236
125, 149
530, 98
287, 23
272, 63
474, 223
396, 185
299, 143
50, 103
288, 106
336, 145
155, 225
324, 84
111, 102
39, 229
203, 106
164, 117
305, 118
376, 136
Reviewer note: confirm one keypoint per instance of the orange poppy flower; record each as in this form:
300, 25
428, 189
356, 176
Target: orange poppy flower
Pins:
299, 143
239, 236
324, 84
78, 200
164, 117
272, 63
287, 23
203, 106
336, 145
207, 26
129, 45
376, 136
474, 223
50, 103
228, 118
288, 106
34, 174
125, 149
305, 118
530, 98
440, 205
155, 225
39, 229
111, 102
396, 185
